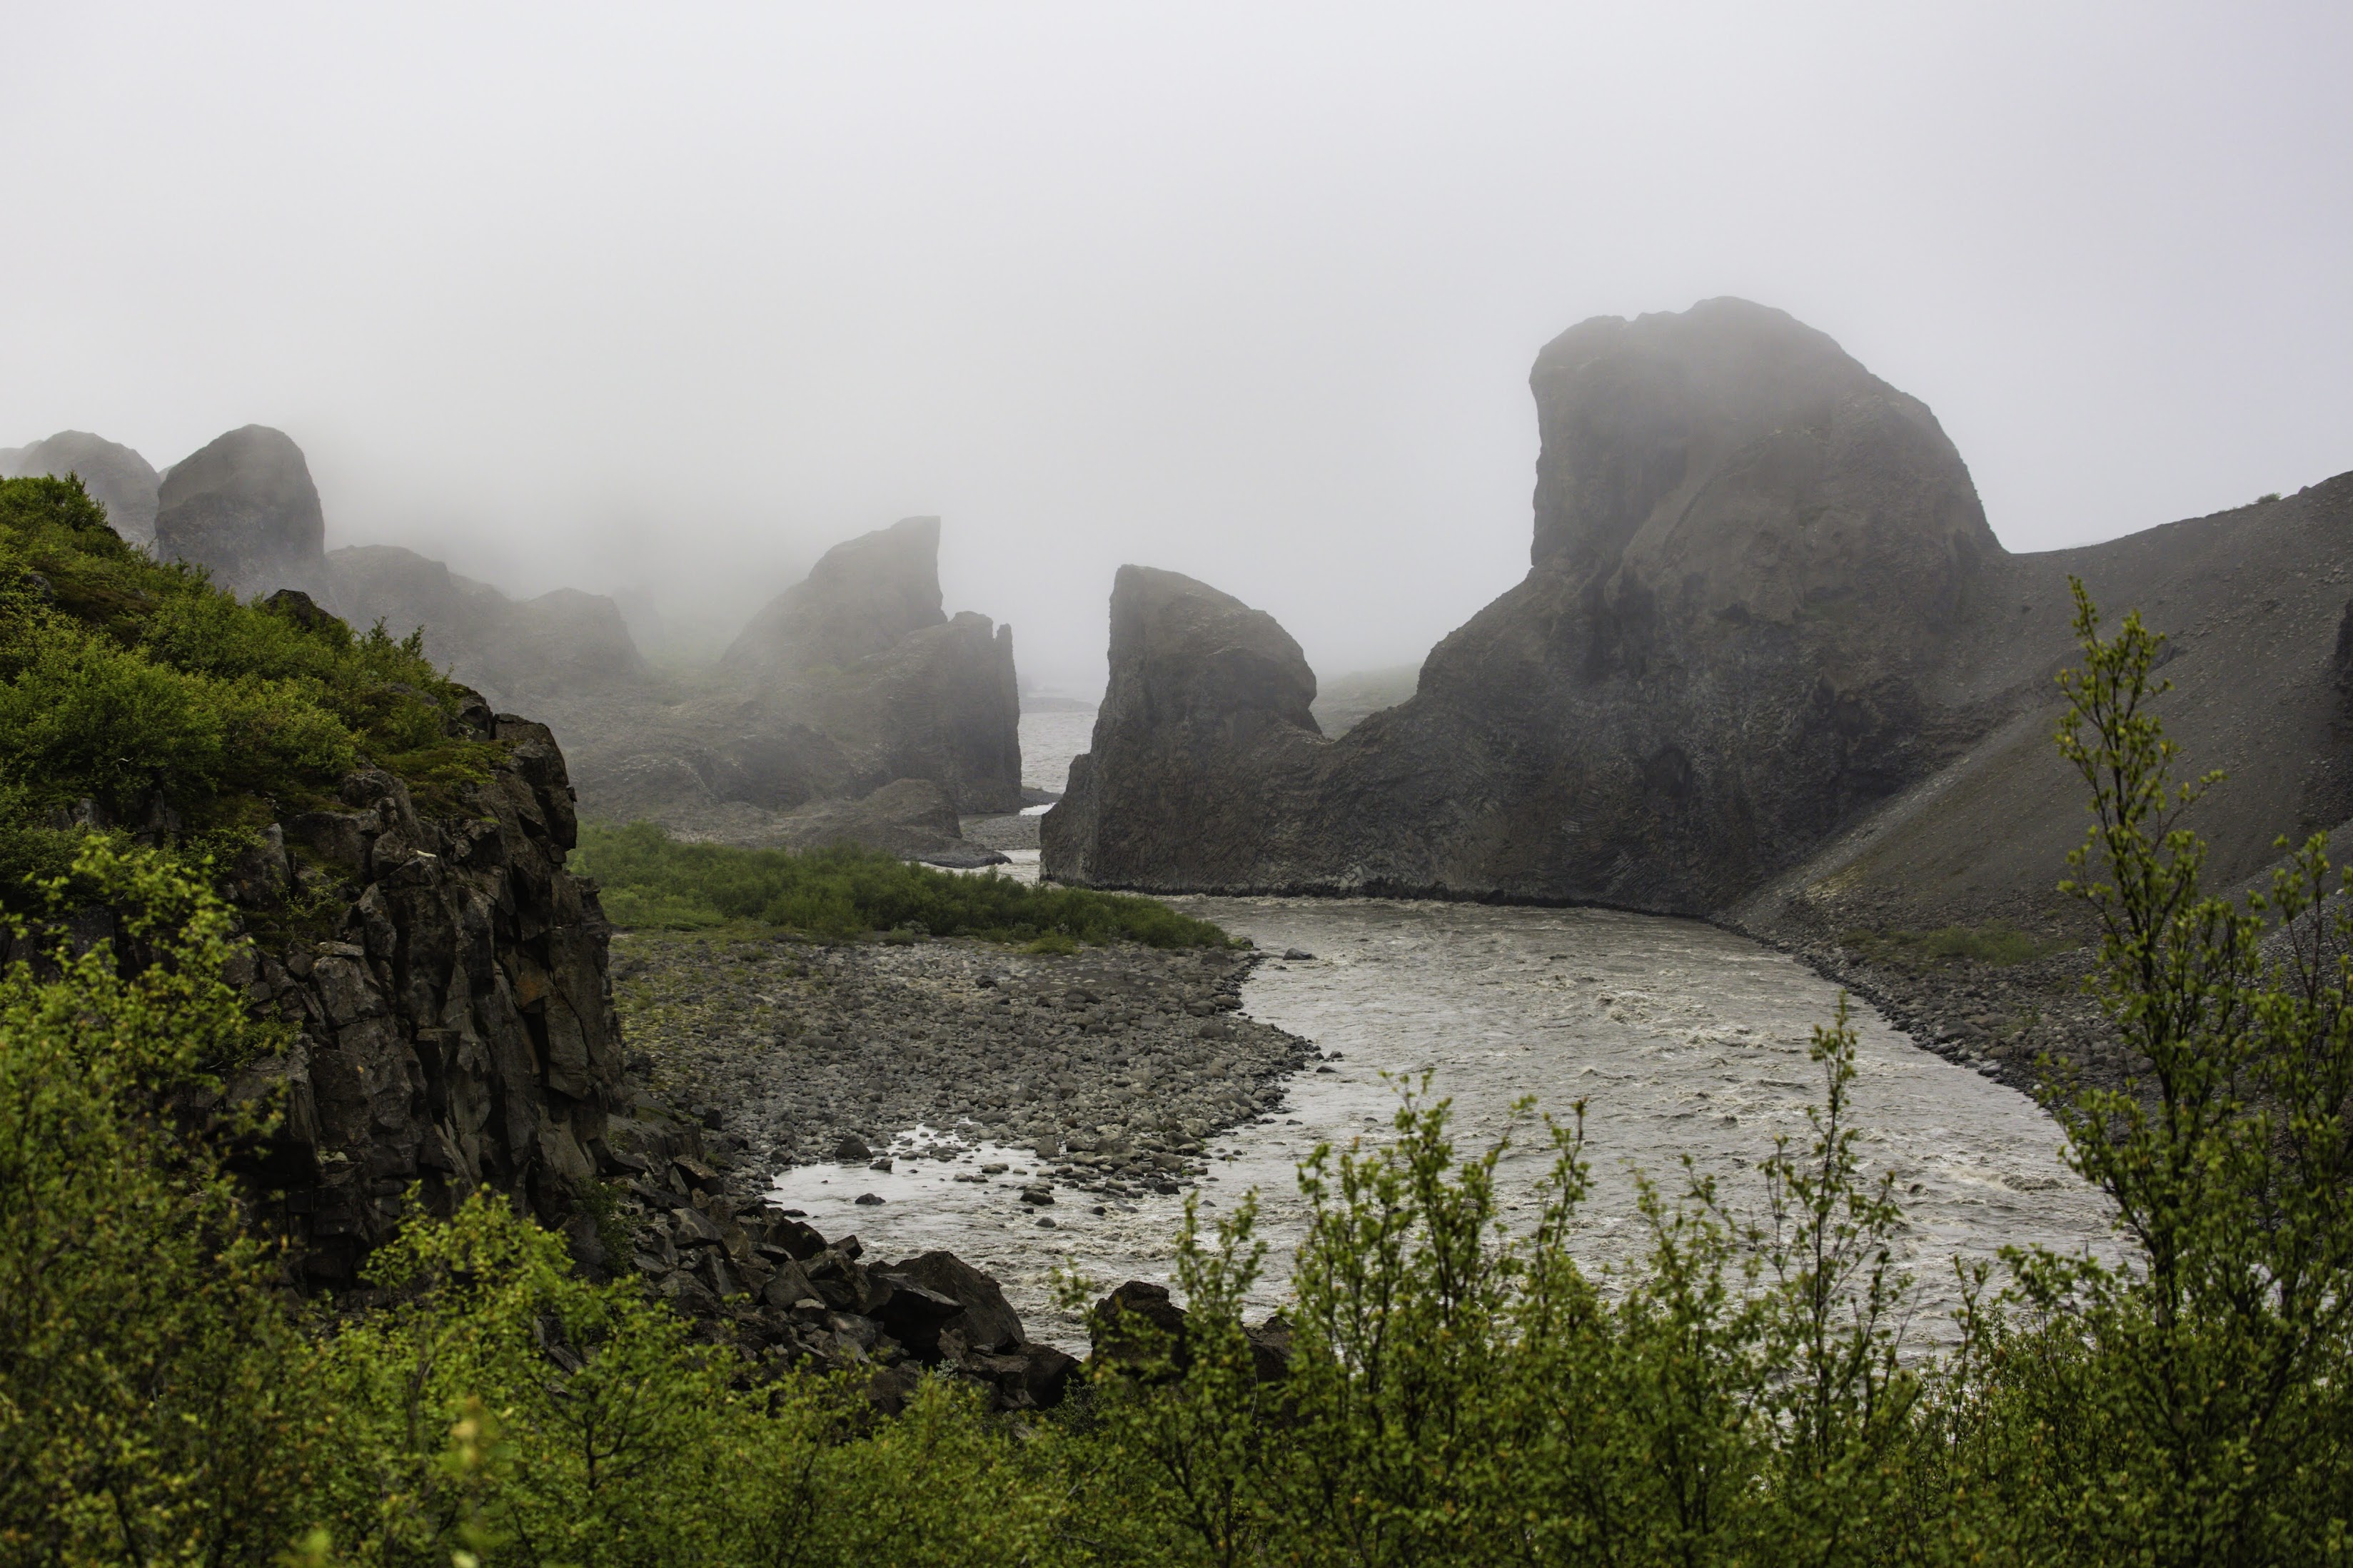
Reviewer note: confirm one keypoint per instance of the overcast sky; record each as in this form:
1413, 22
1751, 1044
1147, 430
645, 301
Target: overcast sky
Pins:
675, 296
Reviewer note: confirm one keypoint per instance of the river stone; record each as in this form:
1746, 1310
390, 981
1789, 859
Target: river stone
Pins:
985, 1321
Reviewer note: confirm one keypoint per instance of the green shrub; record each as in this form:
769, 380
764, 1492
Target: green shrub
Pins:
1991, 943
651, 880
155, 1402
135, 684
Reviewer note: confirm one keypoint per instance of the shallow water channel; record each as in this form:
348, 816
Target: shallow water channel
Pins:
1684, 1040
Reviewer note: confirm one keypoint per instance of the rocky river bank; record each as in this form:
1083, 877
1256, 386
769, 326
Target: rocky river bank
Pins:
1045, 1083
1108, 1067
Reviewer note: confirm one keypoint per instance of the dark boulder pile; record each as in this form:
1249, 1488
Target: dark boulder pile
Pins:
765, 1282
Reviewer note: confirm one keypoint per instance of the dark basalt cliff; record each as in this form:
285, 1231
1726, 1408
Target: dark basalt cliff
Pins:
245, 508
456, 1029
1769, 665
1751, 556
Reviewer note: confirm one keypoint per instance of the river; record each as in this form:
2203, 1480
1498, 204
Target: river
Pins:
1685, 1041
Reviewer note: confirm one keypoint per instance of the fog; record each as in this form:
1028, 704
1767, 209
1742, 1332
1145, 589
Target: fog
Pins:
670, 298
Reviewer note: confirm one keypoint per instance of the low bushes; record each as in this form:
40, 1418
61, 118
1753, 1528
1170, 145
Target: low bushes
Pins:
138, 686
650, 879
1991, 943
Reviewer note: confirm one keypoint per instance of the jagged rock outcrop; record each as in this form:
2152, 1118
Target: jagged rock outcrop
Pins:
1751, 558
1206, 757
562, 643
116, 478
850, 680
245, 508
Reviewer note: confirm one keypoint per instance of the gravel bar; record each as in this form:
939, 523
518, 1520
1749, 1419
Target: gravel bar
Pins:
1113, 1064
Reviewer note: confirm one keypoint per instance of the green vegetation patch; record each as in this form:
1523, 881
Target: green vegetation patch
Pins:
1991, 943
650, 879
137, 685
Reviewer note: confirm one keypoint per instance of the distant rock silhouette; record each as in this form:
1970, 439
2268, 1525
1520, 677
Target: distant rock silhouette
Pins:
860, 598
245, 508
564, 643
849, 681
116, 478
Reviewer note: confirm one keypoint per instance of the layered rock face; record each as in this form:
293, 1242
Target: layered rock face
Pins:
116, 478
457, 1029
564, 643
245, 508
849, 681
1751, 558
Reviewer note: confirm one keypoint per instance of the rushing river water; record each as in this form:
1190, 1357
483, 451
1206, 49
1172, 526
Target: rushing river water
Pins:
1683, 1041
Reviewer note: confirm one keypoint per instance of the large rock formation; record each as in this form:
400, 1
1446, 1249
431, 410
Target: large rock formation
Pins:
245, 508
1750, 558
116, 478
1207, 763
564, 643
1768, 664
849, 681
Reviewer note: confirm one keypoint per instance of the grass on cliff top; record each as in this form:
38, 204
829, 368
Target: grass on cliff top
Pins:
136, 684
1992, 943
650, 879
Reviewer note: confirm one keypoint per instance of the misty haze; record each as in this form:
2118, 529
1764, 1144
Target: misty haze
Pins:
1296, 784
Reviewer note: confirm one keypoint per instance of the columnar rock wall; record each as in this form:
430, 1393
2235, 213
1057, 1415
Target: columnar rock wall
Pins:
455, 1027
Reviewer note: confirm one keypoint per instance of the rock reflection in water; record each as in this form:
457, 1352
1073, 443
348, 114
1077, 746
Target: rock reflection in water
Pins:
1682, 1038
